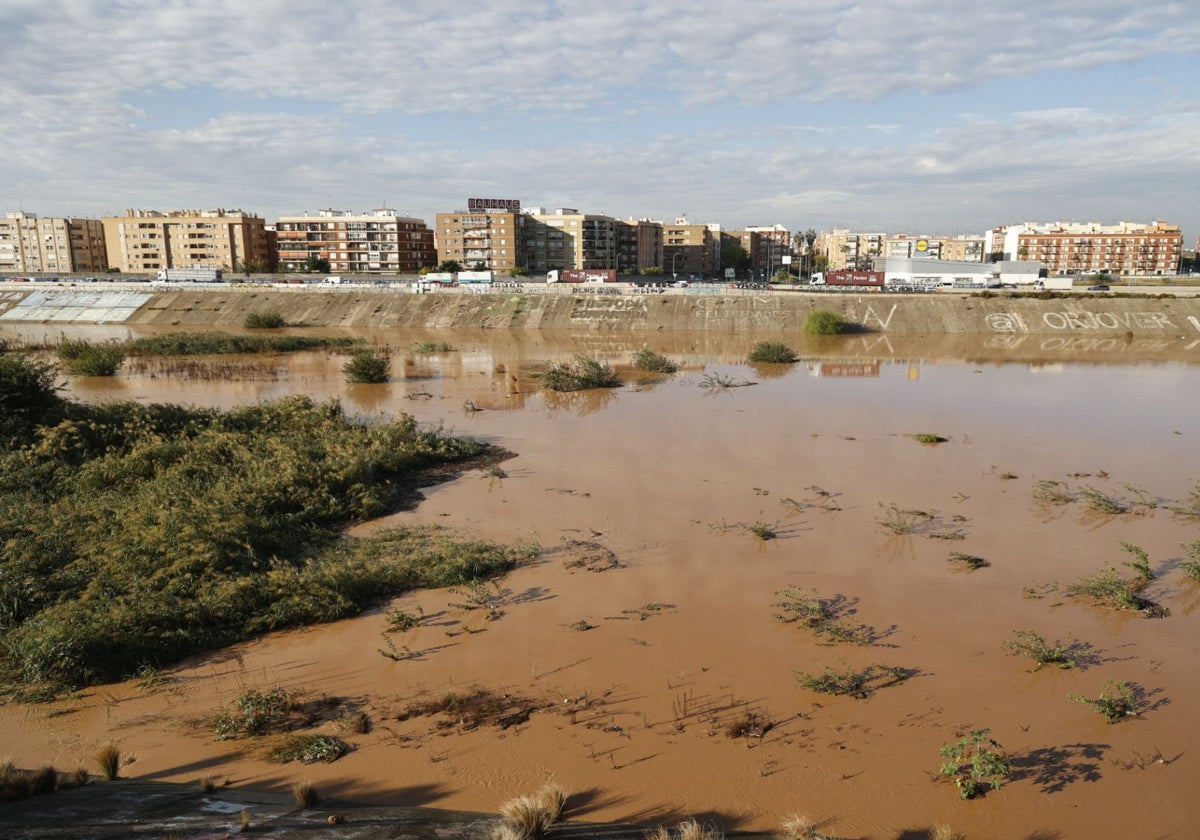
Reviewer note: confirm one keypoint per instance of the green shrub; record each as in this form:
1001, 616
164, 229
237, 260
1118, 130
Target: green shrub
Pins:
929, 439
652, 362
1109, 589
254, 713
859, 683
219, 343
229, 527
1033, 646
581, 375
824, 322
308, 749
1116, 702
268, 319
367, 366
432, 347
28, 397
83, 358
975, 763
772, 352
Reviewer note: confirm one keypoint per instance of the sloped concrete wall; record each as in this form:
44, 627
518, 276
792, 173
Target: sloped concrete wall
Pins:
759, 314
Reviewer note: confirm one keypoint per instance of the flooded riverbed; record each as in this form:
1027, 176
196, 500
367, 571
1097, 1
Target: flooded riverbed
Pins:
647, 629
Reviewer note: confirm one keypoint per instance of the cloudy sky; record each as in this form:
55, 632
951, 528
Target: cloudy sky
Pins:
922, 116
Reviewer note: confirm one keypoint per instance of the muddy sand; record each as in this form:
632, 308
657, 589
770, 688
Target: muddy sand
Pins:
625, 657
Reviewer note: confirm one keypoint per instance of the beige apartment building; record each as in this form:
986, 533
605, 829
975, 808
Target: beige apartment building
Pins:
1131, 248
567, 238
378, 242
688, 249
488, 237
844, 248
146, 241
964, 248
52, 245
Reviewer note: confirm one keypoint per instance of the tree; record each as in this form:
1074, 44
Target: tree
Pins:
804, 247
316, 264
450, 266
734, 256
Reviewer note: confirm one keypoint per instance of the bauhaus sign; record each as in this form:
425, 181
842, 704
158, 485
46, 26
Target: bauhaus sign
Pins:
478, 205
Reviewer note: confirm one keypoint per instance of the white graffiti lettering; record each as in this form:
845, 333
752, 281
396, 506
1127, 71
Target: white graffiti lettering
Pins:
1195, 322
1005, 322
883, 324
1106, 320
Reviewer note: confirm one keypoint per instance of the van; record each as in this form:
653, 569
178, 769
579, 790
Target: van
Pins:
332, 280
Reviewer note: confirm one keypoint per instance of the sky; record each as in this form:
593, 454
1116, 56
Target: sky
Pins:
913, 116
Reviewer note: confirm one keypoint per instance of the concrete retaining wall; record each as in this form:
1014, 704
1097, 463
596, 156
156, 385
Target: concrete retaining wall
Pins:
760, 314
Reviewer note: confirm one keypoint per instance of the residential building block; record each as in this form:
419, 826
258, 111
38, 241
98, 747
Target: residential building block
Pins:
51, 245
146, 241
378, 242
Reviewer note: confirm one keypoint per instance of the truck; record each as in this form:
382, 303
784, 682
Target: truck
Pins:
589, 275
196, 274
1055, 284
846, 277
333, 280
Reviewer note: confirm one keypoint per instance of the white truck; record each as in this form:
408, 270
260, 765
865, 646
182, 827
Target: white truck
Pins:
1053, 284
190, 275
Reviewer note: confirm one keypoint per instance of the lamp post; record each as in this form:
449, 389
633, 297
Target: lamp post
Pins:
674, 273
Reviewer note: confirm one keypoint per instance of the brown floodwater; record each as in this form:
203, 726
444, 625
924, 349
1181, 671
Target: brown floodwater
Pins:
666, 476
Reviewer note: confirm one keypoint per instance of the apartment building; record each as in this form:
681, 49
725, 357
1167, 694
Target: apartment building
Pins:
145, 241
1130, 248
567, 238
952, 248
487, 238
773, 243
51, 245
689, 249
639, 245
844, 248
378, 242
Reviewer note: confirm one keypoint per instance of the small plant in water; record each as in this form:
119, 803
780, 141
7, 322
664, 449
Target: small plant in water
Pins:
773, 352
583, 374
821, 615
1098, 501
975, 763
1116, 702
1109, 589
762, 530
432, 347
367, 366
930, 439
1140, 562
859, 683
399, 620
1054, 492
970, 561
1191, 566
652, 362
1033, 646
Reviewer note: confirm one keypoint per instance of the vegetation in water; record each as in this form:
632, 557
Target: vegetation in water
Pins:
85, 358
824, 322
367, 366
220, 343
582, 374
139, 534
652, 362
773, 352
269, 319
1117, 701
975, 763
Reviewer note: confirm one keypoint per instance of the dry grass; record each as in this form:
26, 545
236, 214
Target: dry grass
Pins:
108, 758
304, 794
799, 827
530, 817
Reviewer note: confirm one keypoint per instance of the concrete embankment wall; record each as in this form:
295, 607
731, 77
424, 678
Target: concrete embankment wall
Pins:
760, 314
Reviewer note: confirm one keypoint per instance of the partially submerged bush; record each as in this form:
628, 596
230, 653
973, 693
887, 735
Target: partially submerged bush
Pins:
859, 683
825, 617
84, 358
824, 322
652, 362
1116, 702
220, 343
975, 763
582, 374
367, 366
432, 347
269, 319
1109, 589
772, 352
230, 524
1035, 647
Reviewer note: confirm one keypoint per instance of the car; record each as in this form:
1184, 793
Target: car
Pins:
1099, 287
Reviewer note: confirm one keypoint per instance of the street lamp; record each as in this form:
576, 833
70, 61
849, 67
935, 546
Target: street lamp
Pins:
674, 273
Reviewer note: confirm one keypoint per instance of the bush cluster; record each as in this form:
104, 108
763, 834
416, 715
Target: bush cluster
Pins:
584, 373
136, 534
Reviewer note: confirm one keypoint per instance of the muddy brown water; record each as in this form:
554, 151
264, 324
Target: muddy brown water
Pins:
667, 475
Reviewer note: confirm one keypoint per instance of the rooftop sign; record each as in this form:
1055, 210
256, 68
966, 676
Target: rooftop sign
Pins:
477, 205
